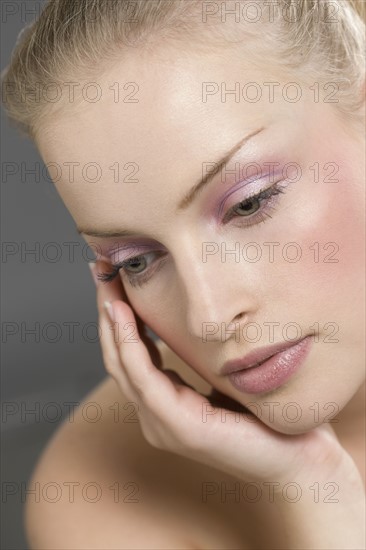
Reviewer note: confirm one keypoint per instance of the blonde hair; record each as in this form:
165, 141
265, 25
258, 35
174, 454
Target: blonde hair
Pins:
320, 40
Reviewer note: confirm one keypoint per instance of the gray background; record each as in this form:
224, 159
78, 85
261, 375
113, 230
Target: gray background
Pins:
37, 288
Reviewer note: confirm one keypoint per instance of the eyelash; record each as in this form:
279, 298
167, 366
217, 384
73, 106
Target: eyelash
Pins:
266, 195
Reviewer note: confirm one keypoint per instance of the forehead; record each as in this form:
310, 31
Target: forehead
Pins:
152, 121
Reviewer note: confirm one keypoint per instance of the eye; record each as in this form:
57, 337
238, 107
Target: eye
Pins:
132, 269
134, 264
251, 207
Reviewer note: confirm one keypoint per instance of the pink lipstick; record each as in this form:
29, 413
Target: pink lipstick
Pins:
267, 368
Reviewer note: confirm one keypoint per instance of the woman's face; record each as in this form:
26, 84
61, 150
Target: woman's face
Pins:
127, 163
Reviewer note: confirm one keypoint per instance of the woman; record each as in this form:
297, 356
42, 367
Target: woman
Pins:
213, 156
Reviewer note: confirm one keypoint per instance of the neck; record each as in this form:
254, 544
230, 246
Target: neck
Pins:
349, 426
352, 417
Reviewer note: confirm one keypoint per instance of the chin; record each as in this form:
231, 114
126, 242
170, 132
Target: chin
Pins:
298, 410
292, 429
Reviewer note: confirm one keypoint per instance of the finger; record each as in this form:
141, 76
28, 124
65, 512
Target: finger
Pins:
110, 353
114, 290
111, 357
146, 379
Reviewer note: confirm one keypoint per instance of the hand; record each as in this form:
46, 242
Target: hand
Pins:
176, 418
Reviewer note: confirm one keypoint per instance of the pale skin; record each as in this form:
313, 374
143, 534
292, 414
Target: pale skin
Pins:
171, 132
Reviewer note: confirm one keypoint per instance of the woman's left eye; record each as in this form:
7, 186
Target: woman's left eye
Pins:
251, 208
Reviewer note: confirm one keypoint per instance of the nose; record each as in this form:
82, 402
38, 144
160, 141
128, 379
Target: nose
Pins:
217, 299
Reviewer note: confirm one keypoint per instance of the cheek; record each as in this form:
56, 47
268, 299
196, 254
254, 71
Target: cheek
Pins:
327, 221
326, 289
335, 243
152, 310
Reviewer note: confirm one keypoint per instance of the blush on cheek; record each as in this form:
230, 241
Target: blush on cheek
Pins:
329, 219
341, 234
329, 281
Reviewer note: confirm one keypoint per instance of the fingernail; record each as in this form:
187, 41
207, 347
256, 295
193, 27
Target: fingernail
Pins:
93, 272
110, 311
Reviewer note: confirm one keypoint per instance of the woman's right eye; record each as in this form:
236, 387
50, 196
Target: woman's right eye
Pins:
133, 262
137, 277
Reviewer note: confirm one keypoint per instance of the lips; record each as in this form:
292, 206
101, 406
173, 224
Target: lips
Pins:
256, 357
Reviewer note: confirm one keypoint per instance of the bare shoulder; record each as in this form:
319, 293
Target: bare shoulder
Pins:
102, 485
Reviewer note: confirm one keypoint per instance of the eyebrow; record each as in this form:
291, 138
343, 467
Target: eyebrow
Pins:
187, 200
